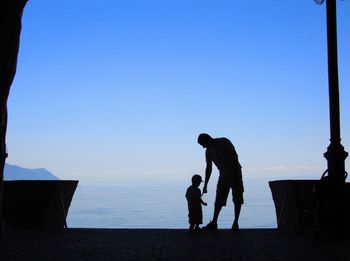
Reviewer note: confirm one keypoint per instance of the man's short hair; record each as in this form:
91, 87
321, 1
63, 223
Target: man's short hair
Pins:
204, 138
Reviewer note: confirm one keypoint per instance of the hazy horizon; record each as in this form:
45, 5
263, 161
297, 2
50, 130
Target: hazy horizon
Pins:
111, 91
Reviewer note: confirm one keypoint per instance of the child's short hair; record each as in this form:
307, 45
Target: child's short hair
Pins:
196, 178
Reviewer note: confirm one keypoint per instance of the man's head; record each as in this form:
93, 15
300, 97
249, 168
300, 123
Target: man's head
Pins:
205, 140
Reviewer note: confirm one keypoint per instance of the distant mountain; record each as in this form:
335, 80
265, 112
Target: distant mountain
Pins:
13, 172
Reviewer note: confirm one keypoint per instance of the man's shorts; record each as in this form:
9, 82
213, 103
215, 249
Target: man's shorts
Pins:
225, 183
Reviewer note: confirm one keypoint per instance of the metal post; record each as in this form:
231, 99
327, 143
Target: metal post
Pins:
335, 154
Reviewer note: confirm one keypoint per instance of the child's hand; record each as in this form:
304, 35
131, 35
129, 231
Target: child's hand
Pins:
205, 203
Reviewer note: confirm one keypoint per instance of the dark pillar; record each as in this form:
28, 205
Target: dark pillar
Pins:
335, 154
10, 28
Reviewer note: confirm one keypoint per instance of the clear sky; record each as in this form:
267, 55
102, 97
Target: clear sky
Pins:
111, 90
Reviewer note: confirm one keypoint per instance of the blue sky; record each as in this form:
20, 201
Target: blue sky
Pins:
107, 91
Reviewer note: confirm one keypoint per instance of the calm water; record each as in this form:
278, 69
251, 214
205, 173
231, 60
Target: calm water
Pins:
164, 206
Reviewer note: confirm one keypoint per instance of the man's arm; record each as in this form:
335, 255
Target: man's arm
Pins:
208, 170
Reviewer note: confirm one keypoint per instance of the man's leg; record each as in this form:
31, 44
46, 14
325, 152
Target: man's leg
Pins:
237, 212
237, 196
222, 190
217, 210
213, 225
237, 201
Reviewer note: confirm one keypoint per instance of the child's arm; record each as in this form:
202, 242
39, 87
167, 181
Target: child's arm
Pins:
203, 203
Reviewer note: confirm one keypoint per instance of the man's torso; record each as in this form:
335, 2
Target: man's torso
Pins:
224, 156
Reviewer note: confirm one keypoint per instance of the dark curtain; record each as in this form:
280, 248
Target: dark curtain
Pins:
10, 29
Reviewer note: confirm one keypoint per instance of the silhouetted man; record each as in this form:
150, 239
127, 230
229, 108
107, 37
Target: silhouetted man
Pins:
223, 154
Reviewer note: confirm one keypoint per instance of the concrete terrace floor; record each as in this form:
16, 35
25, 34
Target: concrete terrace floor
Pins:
166, 244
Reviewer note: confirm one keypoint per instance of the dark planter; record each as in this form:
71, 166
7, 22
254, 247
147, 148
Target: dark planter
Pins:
298, 208
37, 203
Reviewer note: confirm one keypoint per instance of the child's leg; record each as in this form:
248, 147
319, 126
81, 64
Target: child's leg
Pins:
197, 228
191, 227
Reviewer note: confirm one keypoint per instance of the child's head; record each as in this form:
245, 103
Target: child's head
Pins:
196, 180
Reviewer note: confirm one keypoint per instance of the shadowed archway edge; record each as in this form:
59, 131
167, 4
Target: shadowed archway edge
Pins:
10, 29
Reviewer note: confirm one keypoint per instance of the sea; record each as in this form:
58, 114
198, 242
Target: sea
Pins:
163, 205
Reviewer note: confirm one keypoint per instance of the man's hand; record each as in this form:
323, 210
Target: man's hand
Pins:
204, 190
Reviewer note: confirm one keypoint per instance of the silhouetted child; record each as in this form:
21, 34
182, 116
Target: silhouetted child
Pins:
194, 201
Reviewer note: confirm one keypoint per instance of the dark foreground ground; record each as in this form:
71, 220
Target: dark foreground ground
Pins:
166, 244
